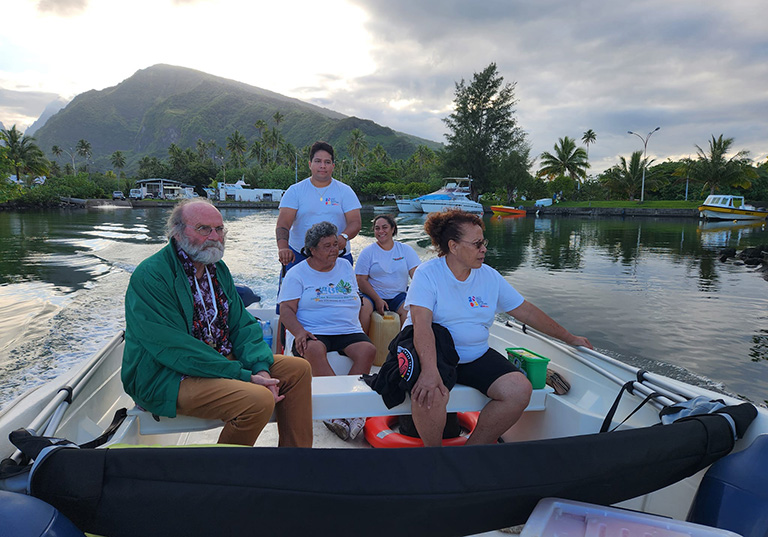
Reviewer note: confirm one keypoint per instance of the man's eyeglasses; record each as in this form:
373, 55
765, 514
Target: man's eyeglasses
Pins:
478, 244
205, 231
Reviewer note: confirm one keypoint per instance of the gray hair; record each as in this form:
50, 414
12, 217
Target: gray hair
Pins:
317, 232
175, 224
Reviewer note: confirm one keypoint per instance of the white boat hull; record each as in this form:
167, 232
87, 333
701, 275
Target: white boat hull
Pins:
595, 381
408, 205
444, 205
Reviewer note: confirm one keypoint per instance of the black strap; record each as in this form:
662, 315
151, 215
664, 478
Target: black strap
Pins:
102, 439
628, 387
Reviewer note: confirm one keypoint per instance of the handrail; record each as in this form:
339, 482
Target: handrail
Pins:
667, 397
50, 417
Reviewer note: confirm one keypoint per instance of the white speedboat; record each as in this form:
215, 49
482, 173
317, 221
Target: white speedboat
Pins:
457, 202
408, 204
453, 194
553, 451
725, 207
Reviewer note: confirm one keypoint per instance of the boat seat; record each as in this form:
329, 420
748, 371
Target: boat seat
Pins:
341, 396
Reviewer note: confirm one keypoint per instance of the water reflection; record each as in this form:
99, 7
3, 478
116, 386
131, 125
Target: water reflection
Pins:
649, 290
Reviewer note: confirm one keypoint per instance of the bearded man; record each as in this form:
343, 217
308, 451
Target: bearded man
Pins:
191, 347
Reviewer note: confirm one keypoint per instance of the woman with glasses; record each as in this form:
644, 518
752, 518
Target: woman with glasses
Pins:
319, 306
459, 292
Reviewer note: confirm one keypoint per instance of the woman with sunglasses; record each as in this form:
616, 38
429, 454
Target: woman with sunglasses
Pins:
458, 291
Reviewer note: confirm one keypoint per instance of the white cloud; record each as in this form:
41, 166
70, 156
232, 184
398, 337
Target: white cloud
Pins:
693, 68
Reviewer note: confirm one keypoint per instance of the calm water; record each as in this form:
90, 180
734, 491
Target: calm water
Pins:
651, 292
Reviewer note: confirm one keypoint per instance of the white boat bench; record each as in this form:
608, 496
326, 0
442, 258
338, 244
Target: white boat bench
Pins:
341, 396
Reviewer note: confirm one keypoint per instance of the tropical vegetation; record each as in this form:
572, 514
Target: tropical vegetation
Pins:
484, 141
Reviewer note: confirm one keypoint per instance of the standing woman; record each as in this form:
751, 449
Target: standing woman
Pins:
318, 198
459, 292
319, 305
383, 270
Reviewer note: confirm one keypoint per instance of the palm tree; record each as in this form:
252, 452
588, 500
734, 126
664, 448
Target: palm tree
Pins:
57, 151
589, 138
626, 177
237, 145
715, 171
26, 158
357, 146
118, 161
277, 118
83, 148
261, 126
423, 156
379, 154
568, 160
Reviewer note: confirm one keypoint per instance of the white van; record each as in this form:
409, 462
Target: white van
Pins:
135, 194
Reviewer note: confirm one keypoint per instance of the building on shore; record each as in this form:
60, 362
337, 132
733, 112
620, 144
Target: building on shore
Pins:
240, 192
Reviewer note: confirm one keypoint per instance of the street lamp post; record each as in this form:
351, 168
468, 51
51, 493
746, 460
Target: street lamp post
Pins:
645, 148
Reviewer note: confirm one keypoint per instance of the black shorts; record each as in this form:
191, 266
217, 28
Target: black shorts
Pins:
336, 343
484, 371
393, 303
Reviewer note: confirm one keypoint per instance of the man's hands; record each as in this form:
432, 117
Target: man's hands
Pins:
263, 378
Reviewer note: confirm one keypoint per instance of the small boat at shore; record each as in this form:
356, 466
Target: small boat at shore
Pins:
555, 450
503, 210
726, 207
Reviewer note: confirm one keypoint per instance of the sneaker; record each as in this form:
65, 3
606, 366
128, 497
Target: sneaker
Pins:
338, 426
355, 427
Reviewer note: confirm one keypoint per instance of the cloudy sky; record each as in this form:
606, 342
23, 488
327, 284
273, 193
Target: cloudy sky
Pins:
695, 68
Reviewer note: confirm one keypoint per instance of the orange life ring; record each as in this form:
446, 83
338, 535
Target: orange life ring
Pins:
380, 434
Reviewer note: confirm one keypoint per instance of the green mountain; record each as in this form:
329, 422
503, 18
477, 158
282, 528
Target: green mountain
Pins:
164, 104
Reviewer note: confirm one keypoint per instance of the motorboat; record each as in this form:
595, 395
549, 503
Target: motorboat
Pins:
555, 450
727, 207
408, 204
503, 210
453, 194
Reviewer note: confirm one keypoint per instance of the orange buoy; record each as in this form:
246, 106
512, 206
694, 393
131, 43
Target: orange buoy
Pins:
380, 434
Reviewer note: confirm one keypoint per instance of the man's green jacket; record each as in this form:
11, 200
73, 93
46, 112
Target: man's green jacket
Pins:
159, 346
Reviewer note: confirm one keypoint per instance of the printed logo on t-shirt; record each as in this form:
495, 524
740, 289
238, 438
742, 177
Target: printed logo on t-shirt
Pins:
332, 291
476, 302
329, 201
398, 258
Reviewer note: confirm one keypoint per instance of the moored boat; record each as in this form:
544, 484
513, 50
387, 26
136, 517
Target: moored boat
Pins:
503, 210
475, 489
408, 204
726, 207
453, 194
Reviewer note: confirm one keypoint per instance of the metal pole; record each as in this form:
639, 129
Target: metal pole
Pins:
645, 149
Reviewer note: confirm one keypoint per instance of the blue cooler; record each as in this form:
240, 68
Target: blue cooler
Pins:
734, 492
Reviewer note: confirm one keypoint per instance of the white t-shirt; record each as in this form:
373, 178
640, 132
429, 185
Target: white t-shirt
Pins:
315, 205
467, 309
328, 301
388, 271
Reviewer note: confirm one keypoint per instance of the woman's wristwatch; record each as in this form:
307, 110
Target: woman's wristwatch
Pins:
346, 237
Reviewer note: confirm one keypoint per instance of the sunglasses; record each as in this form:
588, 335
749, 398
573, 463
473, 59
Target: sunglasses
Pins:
477, 244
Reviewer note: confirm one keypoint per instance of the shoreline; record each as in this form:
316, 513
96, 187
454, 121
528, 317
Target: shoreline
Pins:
553, 210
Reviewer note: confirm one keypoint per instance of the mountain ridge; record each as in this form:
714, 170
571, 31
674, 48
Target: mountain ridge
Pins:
164, 104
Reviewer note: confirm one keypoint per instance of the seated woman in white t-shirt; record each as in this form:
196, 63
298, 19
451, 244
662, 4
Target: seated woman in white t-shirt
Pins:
319, 305
459, 292
383, 270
